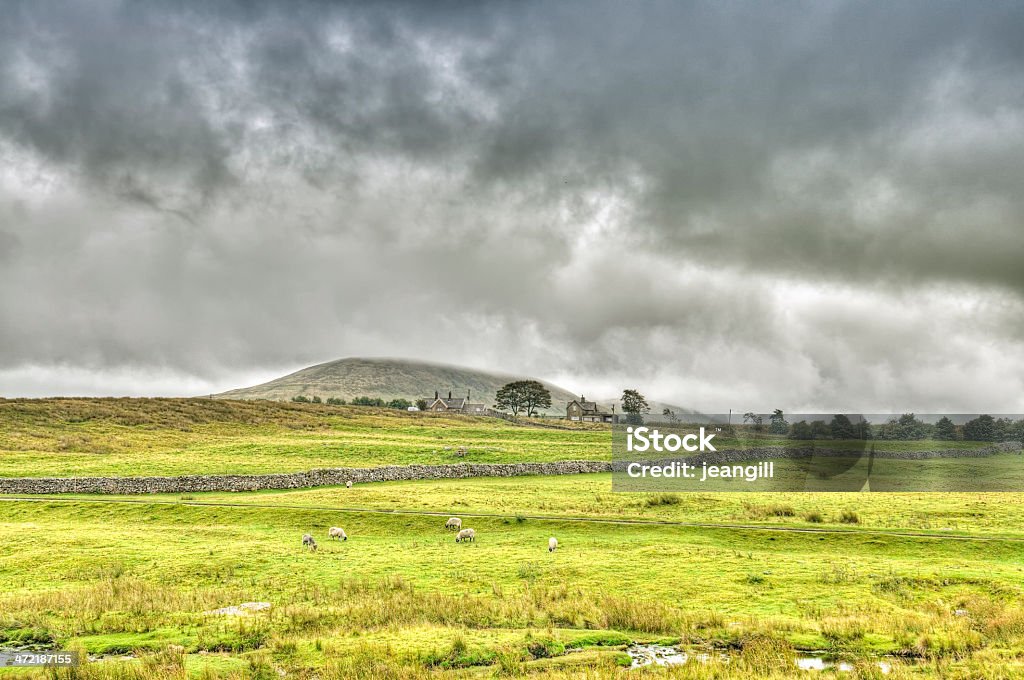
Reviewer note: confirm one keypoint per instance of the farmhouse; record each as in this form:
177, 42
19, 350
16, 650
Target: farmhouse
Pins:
456, 405
588, 411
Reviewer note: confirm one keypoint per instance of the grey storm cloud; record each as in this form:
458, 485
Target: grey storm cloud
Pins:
810, 204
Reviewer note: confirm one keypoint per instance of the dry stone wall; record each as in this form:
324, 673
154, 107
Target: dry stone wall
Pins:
394, 473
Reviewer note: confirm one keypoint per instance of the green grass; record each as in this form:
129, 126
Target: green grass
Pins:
138, 577
136, 437
591, 496
935, 578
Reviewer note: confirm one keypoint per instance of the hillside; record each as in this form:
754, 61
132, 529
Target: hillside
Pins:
390, 379
138, 437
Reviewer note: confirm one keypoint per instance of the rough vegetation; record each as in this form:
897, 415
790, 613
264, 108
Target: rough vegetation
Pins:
928, 583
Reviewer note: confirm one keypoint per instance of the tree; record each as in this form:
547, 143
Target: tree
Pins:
980, 429
317, 400
778, 422
536, 397
801, 430
335, 401
945, 430
421, 404
906, 427
670, 414
820, 429
523, 395
842, 428
1016, 431
634, 405
1004, 429
301, 399
758, 421
512, 397
401, 404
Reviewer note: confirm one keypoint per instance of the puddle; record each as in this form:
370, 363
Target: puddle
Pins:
243, 609
661, 655
820, 663
657, 655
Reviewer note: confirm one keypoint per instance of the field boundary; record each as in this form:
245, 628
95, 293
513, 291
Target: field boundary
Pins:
128, 486
294, 480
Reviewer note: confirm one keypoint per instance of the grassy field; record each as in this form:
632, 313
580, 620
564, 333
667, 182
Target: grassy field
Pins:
930, 584
126, 578
590, 496
135, 437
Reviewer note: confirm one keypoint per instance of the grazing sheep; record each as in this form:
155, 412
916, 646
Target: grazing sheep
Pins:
465, 535
552, 544
309, 542
338, 533
348, 484
453, 523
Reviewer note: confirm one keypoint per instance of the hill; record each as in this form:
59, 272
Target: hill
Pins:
390, 379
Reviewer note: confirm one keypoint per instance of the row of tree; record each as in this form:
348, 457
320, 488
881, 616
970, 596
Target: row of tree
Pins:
906, 427
402, 404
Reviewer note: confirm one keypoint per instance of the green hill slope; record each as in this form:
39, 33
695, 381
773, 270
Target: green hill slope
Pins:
390, 379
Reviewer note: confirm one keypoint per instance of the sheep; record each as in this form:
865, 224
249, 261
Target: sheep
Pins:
309, 542
552, 544
466, 535
453, 523
338, 533
348, 484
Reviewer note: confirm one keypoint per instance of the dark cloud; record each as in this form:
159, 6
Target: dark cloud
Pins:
813, 204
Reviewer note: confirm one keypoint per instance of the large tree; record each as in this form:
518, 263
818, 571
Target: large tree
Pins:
537, 397
634, 405
523, 395
842, 428
980, 429
801, 430
945, 430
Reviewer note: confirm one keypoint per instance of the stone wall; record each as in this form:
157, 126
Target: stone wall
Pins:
394, 473
295, 480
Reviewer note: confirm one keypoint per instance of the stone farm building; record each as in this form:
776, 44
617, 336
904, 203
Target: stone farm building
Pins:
457, 405
588, 411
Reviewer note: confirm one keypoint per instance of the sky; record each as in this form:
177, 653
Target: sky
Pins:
809, 205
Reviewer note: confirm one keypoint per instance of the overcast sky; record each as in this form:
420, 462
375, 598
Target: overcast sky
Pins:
817, 206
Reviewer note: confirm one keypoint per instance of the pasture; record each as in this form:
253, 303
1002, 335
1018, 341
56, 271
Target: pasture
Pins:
930, 584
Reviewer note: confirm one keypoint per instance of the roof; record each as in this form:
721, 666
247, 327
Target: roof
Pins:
591, 407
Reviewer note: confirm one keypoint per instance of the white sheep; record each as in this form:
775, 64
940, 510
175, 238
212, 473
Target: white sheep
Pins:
552, 544
453, 523
338, 533
348, 484
465, 535
309, 542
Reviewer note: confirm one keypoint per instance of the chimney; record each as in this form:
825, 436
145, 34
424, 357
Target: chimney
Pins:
435, 394
467, 395
449, 394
